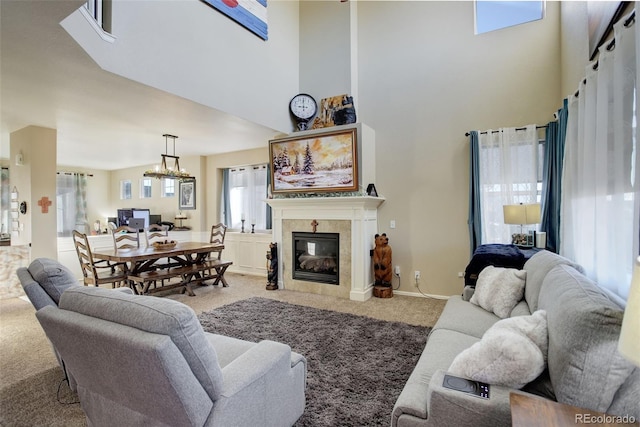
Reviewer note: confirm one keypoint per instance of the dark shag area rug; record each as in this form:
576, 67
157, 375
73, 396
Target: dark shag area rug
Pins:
356, 365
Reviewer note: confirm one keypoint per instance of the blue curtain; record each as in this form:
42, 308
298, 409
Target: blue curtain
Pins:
475, 217
226, 202
552, 178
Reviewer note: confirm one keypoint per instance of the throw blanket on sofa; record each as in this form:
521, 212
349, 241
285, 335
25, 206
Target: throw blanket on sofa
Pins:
498, 255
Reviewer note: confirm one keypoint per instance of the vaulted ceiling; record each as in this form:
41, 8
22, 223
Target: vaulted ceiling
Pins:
104, 121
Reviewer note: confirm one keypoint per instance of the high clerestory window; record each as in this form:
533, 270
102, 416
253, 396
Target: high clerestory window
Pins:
145, 188
125, 189
168, 186
495, 15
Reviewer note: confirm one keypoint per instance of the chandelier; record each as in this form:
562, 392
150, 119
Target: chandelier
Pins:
162, 171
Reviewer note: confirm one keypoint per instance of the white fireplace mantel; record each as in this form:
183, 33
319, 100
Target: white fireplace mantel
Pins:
362, 212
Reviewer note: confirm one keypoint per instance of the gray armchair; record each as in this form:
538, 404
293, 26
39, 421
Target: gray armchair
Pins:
141, 360
44, 281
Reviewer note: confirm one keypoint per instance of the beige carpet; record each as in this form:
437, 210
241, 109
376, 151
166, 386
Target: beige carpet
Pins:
27, 363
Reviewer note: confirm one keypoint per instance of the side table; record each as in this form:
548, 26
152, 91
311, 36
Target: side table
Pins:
534, 411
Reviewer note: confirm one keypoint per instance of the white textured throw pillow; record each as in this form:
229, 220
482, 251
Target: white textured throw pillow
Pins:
511, 353
499, 289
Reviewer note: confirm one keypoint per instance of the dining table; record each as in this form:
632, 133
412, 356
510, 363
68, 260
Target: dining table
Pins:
187, 260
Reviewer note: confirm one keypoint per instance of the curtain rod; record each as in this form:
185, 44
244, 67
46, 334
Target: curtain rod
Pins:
496, 131
74, 173
612, 44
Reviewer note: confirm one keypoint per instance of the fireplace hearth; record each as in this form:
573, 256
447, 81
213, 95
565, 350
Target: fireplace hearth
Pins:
316, 257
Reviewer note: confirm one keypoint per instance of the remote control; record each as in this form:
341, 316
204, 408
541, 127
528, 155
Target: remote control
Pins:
475, 388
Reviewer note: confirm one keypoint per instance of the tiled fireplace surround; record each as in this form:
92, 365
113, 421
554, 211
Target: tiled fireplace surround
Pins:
354, 218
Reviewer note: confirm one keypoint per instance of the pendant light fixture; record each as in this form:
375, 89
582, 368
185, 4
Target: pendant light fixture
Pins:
163, 171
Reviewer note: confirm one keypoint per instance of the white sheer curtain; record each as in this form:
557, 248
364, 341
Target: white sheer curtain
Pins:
247, 192
71, 203
600, 191
508, 164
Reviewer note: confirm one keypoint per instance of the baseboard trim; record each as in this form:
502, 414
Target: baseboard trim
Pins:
420, 295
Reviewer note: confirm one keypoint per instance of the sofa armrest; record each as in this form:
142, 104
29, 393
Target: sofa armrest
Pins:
124, 290
264, 386
266, 357
452, 407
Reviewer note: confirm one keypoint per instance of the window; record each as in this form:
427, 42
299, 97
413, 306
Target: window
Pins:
168, 186
5, 203
145, 188
125, 189
100, 12
247, 191
495, 15
600, 181
510, 172
71, 203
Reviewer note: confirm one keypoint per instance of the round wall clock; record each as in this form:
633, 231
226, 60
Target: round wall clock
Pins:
303, 108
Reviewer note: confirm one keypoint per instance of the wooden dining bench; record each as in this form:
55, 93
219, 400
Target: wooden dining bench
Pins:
189, 274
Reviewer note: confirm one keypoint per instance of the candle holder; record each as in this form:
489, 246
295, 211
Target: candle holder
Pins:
242, 225
253, 228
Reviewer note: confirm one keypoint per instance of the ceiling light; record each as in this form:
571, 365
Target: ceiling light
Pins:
163, 171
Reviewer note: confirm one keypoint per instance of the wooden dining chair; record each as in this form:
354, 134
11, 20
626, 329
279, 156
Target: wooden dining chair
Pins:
218, 231
125, 237
99, 272
156, 233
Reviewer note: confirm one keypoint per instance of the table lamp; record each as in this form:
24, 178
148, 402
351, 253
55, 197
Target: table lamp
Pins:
523, 215
629, 342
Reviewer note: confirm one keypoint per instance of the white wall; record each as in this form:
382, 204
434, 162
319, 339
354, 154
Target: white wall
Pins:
34, 180
423, 85
574, 43
230, 70
325, 49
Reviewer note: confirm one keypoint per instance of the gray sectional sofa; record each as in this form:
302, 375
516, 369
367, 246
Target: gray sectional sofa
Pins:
583, 366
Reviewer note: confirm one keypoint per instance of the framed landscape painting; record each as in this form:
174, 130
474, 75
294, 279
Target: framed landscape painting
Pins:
315, 163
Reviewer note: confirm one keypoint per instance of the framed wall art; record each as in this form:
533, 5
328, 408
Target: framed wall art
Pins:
320, 162
335, 111
251, 14
187, 195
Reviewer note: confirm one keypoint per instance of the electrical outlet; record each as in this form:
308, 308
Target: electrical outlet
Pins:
416, 275
397, 270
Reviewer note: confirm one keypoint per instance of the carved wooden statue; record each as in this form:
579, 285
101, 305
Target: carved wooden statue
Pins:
272, 267
382, 267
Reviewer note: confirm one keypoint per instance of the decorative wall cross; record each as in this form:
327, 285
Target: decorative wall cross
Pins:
44, 203
314, 225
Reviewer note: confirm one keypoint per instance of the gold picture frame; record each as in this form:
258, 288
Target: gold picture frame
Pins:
320, 162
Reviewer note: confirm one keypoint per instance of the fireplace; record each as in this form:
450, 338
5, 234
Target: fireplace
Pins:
354, 219
316, 257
